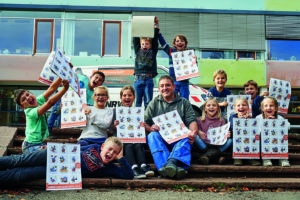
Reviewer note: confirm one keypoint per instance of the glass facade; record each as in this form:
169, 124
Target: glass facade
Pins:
284, 50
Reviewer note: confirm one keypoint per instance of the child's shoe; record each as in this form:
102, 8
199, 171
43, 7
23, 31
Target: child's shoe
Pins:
221, 160
267, 162
138, 173
284, 163
148, 171
238, 162
181, 173
254, 162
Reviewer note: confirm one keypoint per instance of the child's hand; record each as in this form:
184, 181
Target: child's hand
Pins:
247, 115
228, 134
202, 134
43, 147
143, 124
65, 84
223, 104
156, 20
154, 128
87, 111
116, 123
194, 59
271, 117
265, 93
120, 155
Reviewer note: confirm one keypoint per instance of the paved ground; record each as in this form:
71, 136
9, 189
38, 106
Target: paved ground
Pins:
122, 194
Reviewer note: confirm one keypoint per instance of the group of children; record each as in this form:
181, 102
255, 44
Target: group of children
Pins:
100, 118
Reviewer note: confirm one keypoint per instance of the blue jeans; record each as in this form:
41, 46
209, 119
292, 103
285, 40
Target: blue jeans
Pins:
25, 167
54, 115
202, 145
89, 141
143, 87
160, 149
28, 147
182, 88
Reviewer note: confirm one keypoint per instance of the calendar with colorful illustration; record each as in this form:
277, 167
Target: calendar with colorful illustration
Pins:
218, 135
130, 129
72, 110
185, 65
231, 99
171, 126
47, 76
60, 66
274, 139
281, 90
246, 136
63, 167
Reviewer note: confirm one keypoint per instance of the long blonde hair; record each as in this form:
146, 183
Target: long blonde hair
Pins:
276, 106
218, 112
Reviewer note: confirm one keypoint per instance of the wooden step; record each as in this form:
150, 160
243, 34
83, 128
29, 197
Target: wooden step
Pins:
251, 183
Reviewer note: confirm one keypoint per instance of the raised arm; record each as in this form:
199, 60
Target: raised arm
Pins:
52, 88
53, 100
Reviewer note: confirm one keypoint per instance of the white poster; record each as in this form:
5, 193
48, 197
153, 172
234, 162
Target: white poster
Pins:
60, 66
281, 90
63, 167
185, 65
274, 139
47, 76
218, 135
246, 136
171, 126
72, 110
143, 26
231, 99
129, 129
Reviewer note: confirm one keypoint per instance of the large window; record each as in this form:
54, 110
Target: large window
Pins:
111, 38
284, 50
218, 54
43, 35
16, 36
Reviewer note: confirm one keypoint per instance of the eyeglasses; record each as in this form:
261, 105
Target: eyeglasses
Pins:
100, 95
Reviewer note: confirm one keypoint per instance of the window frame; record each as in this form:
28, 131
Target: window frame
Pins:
103, 35
35, 33
238, 55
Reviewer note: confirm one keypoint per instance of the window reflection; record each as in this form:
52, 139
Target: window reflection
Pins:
246, 55
57, 35
112, 38
16, 36
218, 54
284, 50
43, 36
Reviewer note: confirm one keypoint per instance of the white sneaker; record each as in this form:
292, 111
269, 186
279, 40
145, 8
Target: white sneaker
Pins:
267, 162
284, 163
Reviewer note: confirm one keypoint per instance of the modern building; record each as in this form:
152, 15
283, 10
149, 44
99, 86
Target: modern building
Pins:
250, 39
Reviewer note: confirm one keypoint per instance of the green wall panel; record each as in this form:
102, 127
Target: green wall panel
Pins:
238, 72
280, 5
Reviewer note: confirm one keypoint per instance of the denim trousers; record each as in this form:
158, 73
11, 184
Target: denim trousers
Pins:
182, 88
25, 167
143, 87
162, 151
202, 145
28, 147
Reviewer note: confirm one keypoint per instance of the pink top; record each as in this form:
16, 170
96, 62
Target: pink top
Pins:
209, 122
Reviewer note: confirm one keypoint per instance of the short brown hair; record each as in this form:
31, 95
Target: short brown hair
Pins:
251, 82
115, 140
166, 77
127, 87
182, 37
219, 72
146, 39
17, 95
99, 73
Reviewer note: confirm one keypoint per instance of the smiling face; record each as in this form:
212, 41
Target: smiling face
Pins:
28, 100
211, 108
179, 44
96, 80
268, 108
251, 90
166, 89
100, 98
241, 107
145, 45
127, 98
109, 151
220, 81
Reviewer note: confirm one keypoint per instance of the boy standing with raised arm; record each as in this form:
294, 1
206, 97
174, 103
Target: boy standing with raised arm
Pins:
35, 107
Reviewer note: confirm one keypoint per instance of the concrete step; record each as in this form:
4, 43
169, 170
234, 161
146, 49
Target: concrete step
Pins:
251, 183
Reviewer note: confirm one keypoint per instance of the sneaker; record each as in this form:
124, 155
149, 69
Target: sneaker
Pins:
284, 163
267, 162
238, 162
181, 173
221, 160
254, 162
171, 168
147, 170
204, 160
162, 172
138, 173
